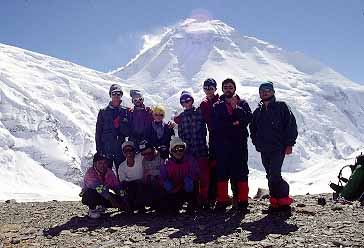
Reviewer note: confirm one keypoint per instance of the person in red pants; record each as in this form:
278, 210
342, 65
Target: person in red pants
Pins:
274, 132
209, 87
192, 130
231, 115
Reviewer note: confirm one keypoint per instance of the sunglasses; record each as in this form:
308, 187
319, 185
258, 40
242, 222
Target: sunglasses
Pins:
159, 115
128, 150
116, 94
209, 88
140, 99
146, 153
265, 91
228, 88
178, 149
186, 100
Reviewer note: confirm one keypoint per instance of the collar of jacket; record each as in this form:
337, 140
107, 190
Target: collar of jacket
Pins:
190, 110
214, 99
272, 100
139, 108
222, 98
112, 107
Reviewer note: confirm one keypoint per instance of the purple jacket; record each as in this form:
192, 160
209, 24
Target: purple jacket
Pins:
92, 180
140, 119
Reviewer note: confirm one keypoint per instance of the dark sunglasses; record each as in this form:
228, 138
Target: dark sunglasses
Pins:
140, 99
128, 150
186, 100
146, 153
178, 149
209, 88
265, 91
159, 115
228, 87
116, 94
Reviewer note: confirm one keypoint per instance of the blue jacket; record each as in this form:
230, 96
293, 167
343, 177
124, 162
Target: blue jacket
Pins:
111, 129
273, 128
222, 122
192, 130
152, 136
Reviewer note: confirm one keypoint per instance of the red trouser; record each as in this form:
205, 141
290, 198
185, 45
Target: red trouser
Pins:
203, 164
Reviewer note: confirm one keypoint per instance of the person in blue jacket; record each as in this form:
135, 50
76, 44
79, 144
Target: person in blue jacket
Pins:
274, 132
112, 128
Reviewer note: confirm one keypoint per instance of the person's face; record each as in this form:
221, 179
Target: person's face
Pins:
129, 152
116, 98
228, 89
187, 105
138, 101
178, 152
158, 116
265, 94
209, 91
101, 166
148, 154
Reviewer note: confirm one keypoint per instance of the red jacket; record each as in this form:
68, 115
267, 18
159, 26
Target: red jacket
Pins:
206, 109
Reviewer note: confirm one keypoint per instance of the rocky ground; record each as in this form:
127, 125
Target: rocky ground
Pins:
65, 224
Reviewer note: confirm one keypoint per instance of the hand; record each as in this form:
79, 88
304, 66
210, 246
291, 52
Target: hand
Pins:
236, 123
171, 124
234, 101
188, 184
168, 186
288, 150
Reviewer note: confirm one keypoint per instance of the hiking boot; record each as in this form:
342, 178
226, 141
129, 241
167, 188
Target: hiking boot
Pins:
94, 214
279, 209
220, 207
243, 207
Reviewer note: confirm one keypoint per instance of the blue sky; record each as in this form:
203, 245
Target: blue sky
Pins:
105, 35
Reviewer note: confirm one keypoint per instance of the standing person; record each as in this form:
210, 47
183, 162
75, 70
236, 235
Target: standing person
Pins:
274, 132
98, 181
112, 128
179, 177
231, 116
159, 133
131, 176
140, 117
192, 130
209, 87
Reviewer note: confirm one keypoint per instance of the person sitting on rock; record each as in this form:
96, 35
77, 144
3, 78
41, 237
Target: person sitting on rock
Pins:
179, 177
98, 181
131, 176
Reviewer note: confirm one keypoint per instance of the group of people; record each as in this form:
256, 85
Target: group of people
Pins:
157, 169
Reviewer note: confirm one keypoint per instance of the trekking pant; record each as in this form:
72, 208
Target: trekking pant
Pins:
278, 187
212, 167
135, 194
175, 201
92, 199
203, 164
232, 163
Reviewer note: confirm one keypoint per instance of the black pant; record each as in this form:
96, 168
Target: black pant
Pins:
135, 194
92, 199
272, 162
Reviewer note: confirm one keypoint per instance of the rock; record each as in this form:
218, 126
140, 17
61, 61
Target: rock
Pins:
301, 205
10, 201
321, 201
261, 194
337, 208
15, 241
341, 244
265, 244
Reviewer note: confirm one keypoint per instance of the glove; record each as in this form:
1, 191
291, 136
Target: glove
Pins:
168, 186
188, 184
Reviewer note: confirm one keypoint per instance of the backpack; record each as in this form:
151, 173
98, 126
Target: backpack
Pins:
352, 188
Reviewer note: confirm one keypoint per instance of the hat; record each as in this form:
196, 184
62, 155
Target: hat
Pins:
266, 85
135, 93
115, 88
185, 96
98, 157
144, 145
159, 109
127, 143
228, 80
176, 141
210, 82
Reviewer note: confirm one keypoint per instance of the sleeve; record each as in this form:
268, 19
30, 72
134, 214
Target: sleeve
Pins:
181, 129
204, 111
253, 128
92, 182
290, 126
246, 115
98, 134
122, 175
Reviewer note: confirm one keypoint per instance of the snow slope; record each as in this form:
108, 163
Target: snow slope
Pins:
48, 107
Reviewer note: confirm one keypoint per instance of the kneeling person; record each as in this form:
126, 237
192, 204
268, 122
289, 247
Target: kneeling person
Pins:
179, 177
98, 181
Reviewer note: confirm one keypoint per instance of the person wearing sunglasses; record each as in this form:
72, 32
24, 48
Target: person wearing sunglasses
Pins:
209, 87
98, 181
231, 116
112, 128
131, 176
179, 177
192, 130
159, 132
274, 132
140, 117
